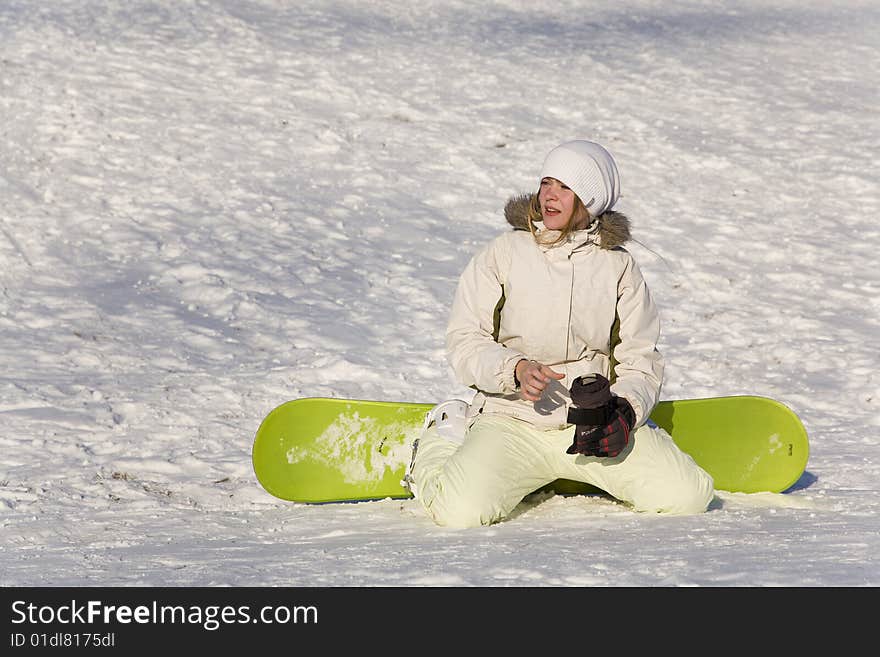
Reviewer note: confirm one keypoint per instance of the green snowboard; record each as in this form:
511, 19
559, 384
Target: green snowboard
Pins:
320, 449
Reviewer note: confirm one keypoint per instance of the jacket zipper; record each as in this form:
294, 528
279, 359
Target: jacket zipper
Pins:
570, 304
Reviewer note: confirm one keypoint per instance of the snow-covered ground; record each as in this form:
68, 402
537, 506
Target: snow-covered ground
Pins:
210, 208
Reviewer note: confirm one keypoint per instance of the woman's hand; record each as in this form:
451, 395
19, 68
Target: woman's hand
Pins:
533, 378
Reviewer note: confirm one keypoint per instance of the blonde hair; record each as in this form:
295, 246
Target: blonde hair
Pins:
534, 215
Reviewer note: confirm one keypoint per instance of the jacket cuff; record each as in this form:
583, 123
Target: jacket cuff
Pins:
509, 384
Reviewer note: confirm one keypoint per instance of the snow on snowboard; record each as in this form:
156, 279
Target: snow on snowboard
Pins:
320, 449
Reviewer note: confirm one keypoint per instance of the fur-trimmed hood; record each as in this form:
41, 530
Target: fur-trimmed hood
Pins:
613, 230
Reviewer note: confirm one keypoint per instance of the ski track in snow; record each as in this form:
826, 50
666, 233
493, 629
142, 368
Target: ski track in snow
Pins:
212, 208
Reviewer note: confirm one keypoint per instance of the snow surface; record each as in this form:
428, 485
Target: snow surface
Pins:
210, 208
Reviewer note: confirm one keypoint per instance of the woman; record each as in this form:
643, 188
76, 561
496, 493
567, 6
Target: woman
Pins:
552, 324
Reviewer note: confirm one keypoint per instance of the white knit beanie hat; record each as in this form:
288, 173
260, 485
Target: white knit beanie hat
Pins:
588, 170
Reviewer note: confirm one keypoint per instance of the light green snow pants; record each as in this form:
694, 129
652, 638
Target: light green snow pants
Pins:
502, 459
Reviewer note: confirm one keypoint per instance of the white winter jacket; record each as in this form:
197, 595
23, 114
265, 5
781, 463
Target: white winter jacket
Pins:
580, 307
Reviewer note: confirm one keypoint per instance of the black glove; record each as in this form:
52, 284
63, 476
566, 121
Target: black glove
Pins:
602, 421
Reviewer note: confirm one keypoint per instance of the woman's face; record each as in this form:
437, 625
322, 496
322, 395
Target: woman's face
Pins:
557, 205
